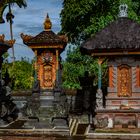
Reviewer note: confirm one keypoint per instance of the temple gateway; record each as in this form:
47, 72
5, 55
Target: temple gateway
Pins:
119, 43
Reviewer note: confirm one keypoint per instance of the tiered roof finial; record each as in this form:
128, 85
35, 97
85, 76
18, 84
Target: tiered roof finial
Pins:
123, 10
47, 23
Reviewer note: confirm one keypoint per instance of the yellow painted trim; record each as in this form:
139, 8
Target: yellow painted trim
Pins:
53, 47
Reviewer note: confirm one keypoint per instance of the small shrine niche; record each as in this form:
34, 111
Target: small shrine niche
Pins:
119, 43
46, 68
124, 81
47, 47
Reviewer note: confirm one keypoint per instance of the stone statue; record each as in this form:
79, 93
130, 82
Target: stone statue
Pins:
8, 110
86, 83
99, 99
101, 122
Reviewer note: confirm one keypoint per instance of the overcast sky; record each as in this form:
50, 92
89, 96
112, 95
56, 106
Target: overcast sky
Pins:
30, 21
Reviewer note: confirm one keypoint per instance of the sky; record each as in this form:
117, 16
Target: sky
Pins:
30, 21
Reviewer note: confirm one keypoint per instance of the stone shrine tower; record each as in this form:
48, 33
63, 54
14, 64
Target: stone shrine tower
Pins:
119, 43
47, 47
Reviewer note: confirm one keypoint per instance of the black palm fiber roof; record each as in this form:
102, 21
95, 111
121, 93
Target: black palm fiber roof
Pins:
122, 34
45, 37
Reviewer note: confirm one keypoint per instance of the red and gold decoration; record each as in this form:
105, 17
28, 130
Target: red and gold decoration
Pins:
47, 47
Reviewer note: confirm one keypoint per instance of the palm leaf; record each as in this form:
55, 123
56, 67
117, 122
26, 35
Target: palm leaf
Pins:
20, 3
2, 8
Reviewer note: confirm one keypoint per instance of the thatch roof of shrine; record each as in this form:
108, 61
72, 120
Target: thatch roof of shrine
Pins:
45, 37
120, 35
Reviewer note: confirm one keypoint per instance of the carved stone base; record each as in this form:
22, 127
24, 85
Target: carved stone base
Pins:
117, 118
99, 99
122, 102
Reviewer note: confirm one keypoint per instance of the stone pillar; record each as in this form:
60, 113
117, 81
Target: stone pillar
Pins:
57, 68
99, 94
35, 76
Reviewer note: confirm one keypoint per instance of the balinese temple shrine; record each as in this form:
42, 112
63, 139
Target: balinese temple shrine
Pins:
47, 47
119, 43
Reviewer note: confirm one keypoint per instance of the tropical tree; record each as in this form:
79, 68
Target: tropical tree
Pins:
82, 19
21, 75
10, 16
75, 66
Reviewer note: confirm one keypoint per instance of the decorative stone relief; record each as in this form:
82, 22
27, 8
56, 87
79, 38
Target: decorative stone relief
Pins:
99, 99
101, 122
135, 88
114, 80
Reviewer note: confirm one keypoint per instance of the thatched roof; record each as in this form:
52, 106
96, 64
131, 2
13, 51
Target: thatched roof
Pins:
120, 35
45, 37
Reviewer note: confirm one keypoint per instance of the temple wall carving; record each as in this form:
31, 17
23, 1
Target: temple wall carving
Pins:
112, 79
124, 76
124, 81
46, 69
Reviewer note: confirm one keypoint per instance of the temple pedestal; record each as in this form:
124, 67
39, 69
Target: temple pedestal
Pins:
118, 118
123, 102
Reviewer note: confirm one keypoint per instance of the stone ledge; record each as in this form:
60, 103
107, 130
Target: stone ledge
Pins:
117, 111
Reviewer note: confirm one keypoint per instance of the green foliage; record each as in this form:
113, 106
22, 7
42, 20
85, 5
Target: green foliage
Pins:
20, 73
75, 66
82, 19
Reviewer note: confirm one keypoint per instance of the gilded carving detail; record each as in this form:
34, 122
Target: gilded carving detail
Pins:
47, 23
47, 76
46, 62
124, 81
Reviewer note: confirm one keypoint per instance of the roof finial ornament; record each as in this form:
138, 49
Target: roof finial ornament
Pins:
47, 23
123, 10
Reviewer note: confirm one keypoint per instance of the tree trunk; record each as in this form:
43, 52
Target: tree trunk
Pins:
11, 33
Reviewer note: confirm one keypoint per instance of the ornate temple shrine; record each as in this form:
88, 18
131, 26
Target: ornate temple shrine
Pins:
47, 47
119, 43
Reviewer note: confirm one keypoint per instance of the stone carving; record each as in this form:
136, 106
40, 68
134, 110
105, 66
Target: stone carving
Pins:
8, 110
101, 122
48, 76
99, 99
123, 10
61, 108
46, 69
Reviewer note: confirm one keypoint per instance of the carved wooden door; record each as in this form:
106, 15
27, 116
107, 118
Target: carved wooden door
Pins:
47, 76
124, 81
